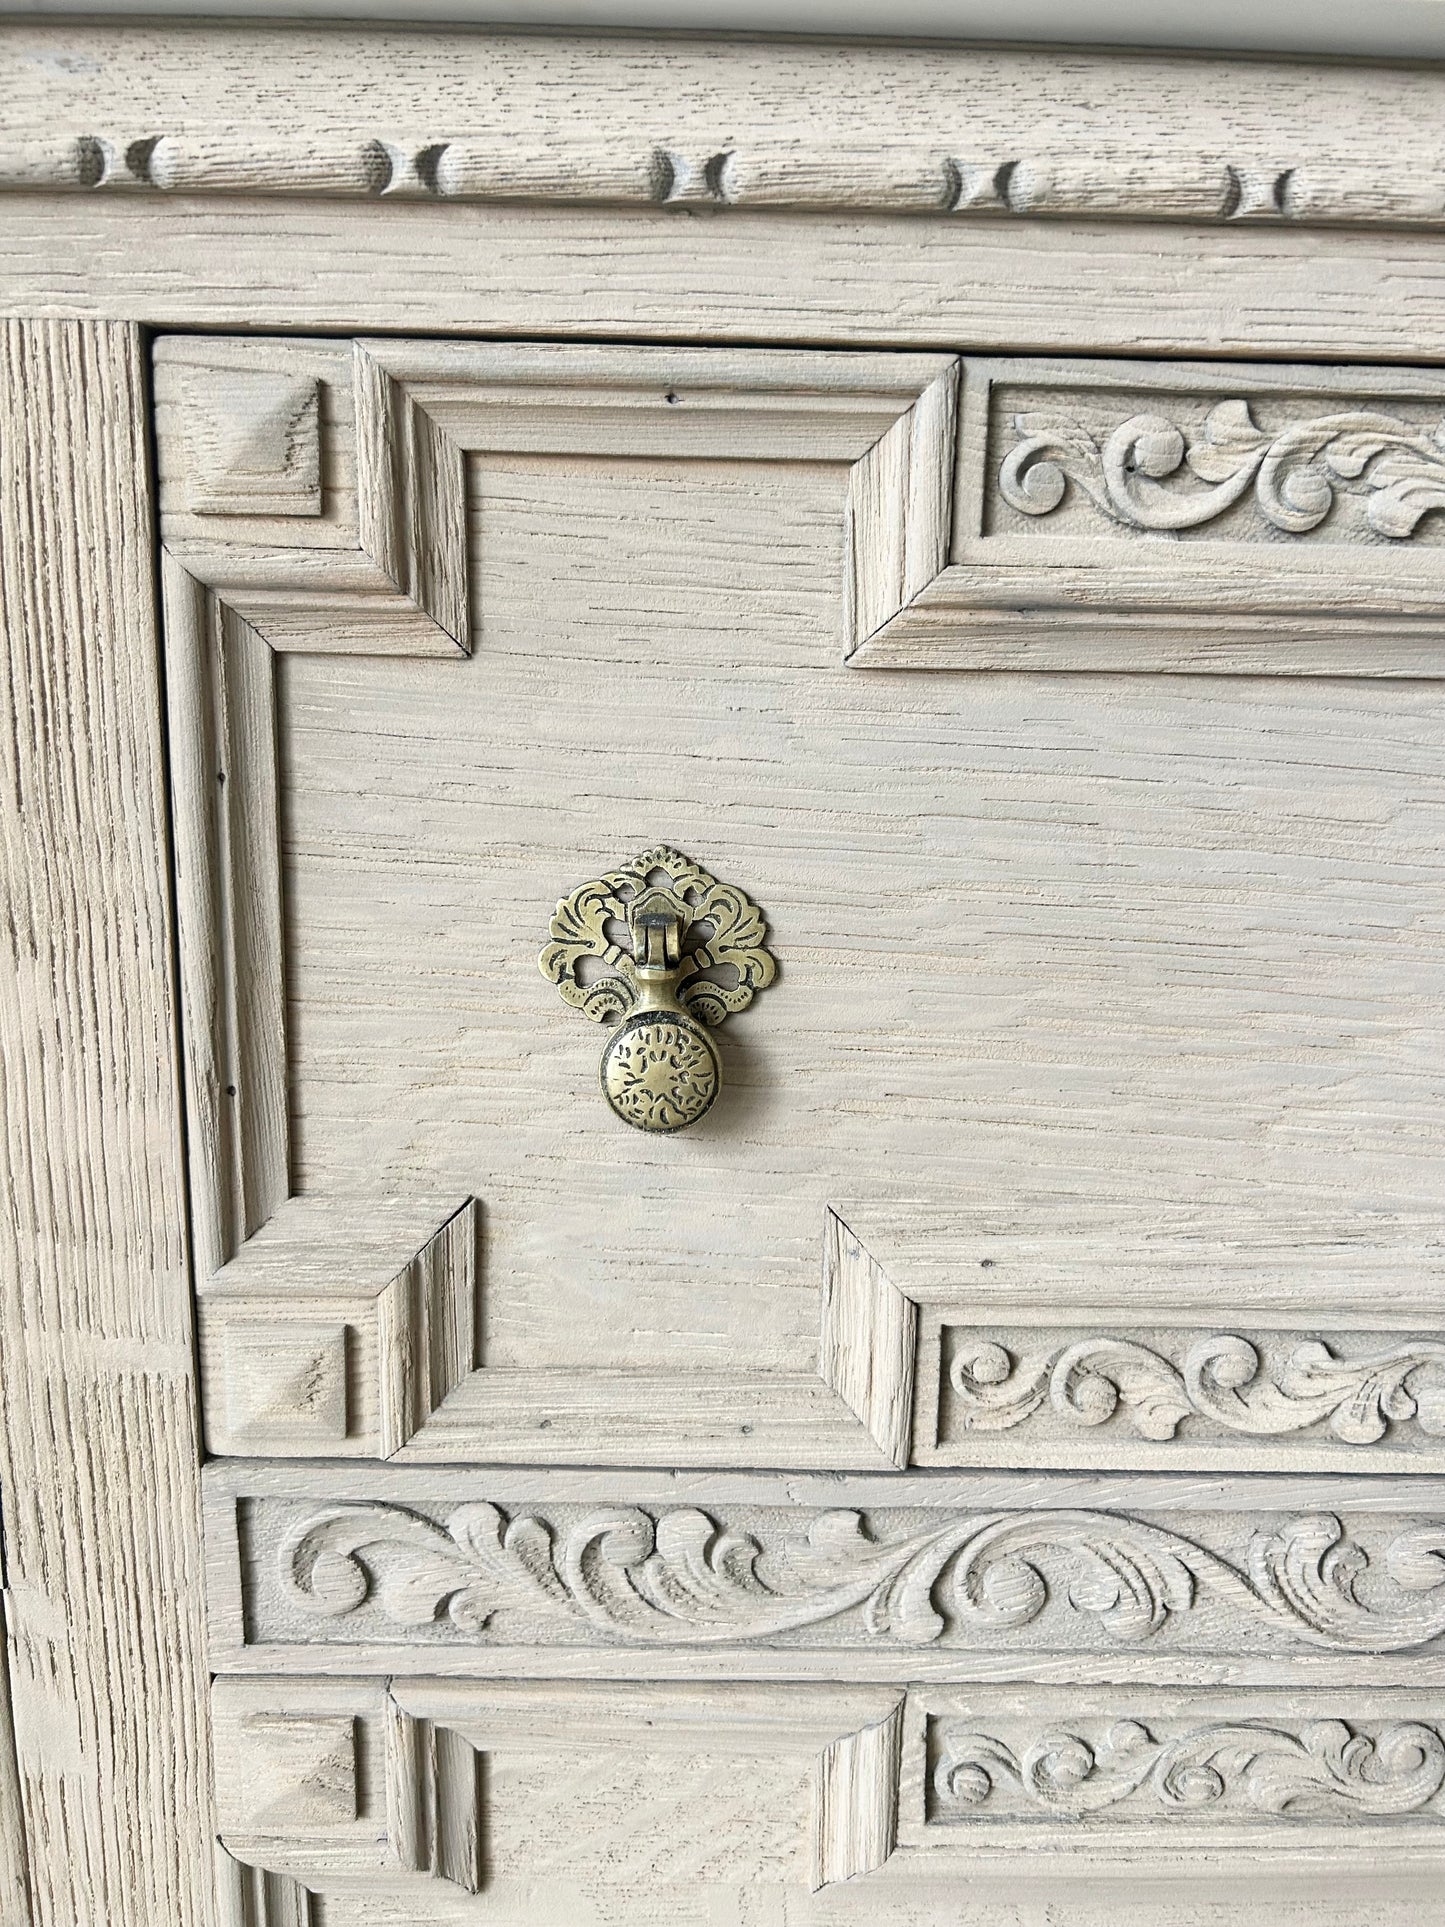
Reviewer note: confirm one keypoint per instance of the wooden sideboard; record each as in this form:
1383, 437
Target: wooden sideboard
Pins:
899, 1376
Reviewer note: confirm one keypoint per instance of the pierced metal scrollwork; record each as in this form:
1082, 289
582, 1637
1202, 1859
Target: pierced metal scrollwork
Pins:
661, 949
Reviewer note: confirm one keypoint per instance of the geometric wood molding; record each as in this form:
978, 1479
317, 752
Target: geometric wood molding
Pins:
384, 429
307, 503
1138, 1338
869, 1341
855, 1801
303, 484
1201, 517
363, 446
339, 1327
254, 1897
361, 546
936, 1782
335, 1783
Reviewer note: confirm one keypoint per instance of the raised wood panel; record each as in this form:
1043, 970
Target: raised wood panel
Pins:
98, 1448
565, 576
235, 583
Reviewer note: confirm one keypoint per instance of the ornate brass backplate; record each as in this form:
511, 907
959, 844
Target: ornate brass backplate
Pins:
679, 952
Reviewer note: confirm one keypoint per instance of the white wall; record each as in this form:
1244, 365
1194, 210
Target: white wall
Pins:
1389, 28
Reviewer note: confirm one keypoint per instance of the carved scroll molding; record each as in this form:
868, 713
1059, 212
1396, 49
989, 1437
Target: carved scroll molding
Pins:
1137, 1337
1105, 1774
885, 1577
1131, 516
335, 1784
1169, 1768
952, 134
1355, 1389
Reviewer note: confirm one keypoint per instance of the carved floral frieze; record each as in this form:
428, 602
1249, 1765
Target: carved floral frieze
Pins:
1155, 473
683, 1577
1224, 1771
1220, 1382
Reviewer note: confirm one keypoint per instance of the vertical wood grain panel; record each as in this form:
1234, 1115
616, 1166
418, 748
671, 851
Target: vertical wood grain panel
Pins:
14, 1880
98, 1452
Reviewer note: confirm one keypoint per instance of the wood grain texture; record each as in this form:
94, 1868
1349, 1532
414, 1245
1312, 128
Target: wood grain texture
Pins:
954, 133
1065, 943
855, 1801
340, 1326
98, 1450
868, 1346
14, 1871
866, 281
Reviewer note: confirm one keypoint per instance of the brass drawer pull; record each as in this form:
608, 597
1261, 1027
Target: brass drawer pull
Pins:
680, 952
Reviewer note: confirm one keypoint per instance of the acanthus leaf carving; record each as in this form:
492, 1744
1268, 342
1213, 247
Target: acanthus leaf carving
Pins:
1221, 1378
1325, 1769
1132, 474
679, 1577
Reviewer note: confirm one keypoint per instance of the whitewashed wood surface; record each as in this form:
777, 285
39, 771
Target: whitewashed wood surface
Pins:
14, 1872
666, 1802
98, 1446
1183, 948
1051, 937
174, 108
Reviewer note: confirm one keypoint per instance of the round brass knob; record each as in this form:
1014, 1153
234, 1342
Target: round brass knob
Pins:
660, 1071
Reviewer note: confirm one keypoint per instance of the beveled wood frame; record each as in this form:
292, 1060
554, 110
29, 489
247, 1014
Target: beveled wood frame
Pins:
359, 1315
